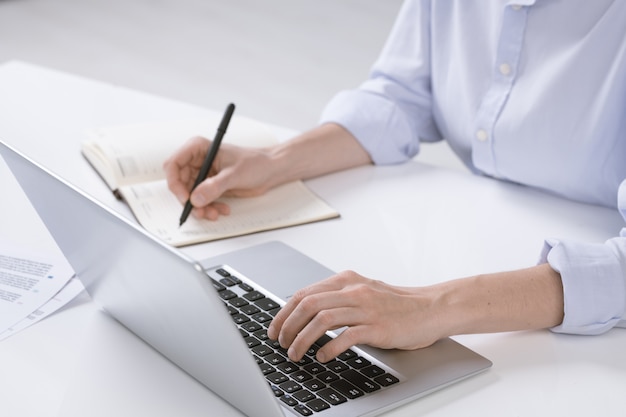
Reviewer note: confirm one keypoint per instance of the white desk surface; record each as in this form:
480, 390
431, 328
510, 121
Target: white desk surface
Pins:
412, 224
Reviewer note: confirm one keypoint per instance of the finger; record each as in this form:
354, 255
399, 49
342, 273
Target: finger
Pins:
206, 192
326, 285
321, 312
214, 186
325, 320
222, 208
212, 211
177, 181
350, 337
181, 168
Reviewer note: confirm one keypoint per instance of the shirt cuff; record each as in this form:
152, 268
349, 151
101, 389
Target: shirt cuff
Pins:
375, 122
593, 285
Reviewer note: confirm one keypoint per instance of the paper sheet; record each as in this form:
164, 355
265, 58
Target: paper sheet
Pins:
70, 291
27, 282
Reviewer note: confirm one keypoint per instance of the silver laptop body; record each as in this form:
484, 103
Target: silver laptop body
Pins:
167, 299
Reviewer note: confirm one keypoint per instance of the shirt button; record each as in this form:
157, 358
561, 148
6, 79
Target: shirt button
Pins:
481, 135
505, 69
516, 7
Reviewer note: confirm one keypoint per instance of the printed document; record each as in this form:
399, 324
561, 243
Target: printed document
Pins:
27, 283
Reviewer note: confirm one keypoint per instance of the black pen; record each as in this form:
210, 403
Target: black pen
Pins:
208, 161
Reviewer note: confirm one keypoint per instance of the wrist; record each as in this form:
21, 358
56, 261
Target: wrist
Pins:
322, 150
452, 308
465, 306
286, 163
526, 299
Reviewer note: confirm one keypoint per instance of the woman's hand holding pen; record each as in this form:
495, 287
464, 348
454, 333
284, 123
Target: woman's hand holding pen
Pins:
236, 171
247, 172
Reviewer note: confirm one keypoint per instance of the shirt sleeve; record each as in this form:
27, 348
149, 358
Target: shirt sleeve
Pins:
392, 111
594, 280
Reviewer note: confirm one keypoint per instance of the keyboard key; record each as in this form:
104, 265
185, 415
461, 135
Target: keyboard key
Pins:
347, 389
386, 380
217, 285
372, 371
303, 395
323, 340
261, 335
274, 311
337, 366
274, 358
312, 351
314, 368
251, 326
314, 384
303, 410
266, 304
277, 391
249, 309
358, 362
289, 400
252, 341
290, 387
262, 317
327, 377
305, 361
287, 367
266, 368
277, 378
229, 282
360, 380
332, 396
301, 376
348, 354
245, 287
275, 344
262, 350
240, 318
253, 296
227, 294
235, 279
317, 405
238, 302
223, 272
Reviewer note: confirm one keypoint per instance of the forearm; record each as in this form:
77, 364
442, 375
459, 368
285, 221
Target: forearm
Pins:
322, 150
386, 316
526, 299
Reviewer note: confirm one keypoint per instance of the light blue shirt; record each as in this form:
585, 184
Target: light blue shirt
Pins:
532, 92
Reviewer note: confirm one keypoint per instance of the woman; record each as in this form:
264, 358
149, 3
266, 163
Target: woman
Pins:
532, 93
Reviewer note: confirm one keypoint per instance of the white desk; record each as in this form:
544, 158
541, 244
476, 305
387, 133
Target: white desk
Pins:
398, 224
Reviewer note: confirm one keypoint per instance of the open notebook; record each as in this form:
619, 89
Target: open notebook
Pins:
130, 160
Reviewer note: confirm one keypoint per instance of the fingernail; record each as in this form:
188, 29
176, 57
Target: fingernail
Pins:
321, 356
291, 352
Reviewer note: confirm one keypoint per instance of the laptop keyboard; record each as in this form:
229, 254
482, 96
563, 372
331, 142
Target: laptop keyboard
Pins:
307, 386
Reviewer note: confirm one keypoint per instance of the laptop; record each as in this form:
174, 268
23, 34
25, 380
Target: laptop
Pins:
209, 317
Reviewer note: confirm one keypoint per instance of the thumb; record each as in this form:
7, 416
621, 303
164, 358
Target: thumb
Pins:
206, 192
